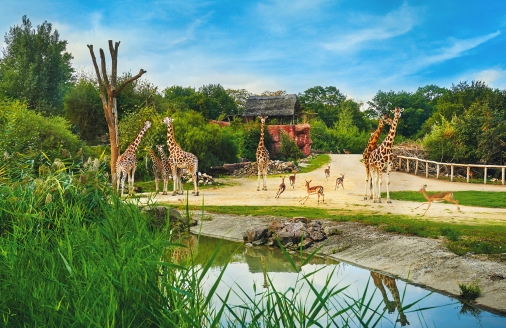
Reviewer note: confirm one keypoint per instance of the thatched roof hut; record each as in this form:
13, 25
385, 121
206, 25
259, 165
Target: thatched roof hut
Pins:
284, 108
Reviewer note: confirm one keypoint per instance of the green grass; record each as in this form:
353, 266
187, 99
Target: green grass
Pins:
463, 238
468, 198
315, 163
470, 291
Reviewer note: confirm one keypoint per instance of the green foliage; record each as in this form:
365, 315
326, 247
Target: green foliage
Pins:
467, 198
250, 138
289, 150
36, 67
28, 138
471, 291
211, 101
84, 110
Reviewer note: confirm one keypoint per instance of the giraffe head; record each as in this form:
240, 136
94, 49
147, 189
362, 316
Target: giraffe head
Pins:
168, 121
263, 118
398, 112
147, 124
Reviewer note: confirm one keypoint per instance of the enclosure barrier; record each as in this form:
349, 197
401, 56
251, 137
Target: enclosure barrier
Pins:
451, 165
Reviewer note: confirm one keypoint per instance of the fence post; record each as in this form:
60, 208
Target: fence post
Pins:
468, 168
426, 169
485, 176
503, 175
451, 172
437, 171
416, 166
407, 165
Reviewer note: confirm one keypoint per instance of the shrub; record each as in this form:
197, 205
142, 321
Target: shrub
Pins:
470, 291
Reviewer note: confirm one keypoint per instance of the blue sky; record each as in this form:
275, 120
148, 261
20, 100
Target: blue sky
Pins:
360, 47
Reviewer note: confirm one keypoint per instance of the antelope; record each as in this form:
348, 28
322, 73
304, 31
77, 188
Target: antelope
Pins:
327, 172
292, 179
448, 196
282, 187
313, 190
339, 181
346, 151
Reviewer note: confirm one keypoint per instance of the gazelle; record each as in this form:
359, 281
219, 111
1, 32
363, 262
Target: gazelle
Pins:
292, 179
346, 151
282, 187
339, 181
327, 172
313, 190
439, 197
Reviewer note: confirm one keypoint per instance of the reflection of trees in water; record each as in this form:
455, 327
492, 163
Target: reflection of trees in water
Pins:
231, 251
380, 281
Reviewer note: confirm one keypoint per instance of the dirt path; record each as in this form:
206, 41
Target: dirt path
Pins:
421, 261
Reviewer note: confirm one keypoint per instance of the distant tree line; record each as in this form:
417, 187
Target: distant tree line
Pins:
465, 123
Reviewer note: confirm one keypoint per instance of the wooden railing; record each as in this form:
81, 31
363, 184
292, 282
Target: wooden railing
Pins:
451, 165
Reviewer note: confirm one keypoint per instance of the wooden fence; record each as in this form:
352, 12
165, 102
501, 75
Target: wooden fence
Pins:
437, 165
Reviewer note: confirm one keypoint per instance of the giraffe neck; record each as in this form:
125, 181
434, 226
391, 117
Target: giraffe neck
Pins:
162, 154
261, 142
171, 141
374, 139
389, 140
133, 146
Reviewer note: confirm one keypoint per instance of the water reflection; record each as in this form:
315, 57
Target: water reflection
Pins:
381, 281
402, 304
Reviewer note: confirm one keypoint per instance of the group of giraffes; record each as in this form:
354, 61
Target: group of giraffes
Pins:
377, 158
174, 165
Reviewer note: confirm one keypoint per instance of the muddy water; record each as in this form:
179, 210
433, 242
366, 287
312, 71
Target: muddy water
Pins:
250, 268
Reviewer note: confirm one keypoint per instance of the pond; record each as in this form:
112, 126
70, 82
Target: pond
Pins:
250, 269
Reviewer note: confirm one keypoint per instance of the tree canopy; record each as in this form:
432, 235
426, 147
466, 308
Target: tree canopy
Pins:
36, 67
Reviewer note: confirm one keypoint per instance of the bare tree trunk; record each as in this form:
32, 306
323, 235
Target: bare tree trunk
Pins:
109, 103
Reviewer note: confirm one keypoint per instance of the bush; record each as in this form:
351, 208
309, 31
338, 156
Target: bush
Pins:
28, 138
470, 291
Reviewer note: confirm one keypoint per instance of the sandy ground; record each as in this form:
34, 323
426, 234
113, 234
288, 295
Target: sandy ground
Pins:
421, 261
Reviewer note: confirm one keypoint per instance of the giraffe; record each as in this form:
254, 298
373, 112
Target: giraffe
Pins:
180, 158
262, 156
372, 145
127, 162
167, 172
381, 159
381, 280
158, 168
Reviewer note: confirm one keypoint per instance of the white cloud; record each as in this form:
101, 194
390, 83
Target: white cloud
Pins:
494, 77
393, 24
457, 49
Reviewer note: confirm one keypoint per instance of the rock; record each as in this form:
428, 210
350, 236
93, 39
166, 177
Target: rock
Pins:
255, 234
306, 243
331, 231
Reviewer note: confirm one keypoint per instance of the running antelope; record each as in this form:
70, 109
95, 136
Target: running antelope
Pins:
292, 179
313, 190
339, 181
282, 187
439, 197
327, 172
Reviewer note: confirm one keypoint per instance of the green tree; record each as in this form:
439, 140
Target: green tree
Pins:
36, 67
83, 108
323, 101
216, 102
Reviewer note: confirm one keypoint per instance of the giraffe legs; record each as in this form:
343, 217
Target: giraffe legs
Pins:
388, 183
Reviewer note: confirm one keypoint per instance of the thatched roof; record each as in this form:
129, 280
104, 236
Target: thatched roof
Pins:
287, 105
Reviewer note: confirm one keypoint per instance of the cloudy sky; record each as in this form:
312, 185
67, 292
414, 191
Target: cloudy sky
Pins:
360, 47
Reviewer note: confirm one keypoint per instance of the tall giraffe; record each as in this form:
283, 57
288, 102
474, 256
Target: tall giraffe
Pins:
180, 158
262, 156
389, 282
167, 172
381, 159
158, 169
127, 162
372, 145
